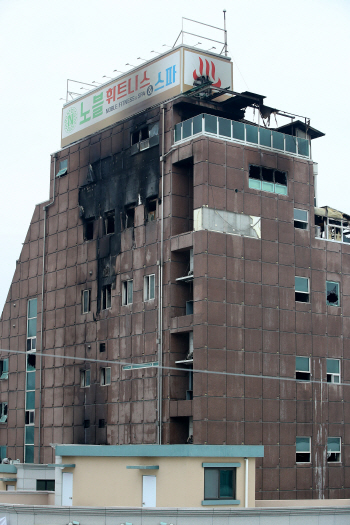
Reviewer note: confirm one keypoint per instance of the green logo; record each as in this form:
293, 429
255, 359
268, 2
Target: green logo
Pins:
70, 120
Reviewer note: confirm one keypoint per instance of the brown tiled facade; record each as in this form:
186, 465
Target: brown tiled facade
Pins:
238, 308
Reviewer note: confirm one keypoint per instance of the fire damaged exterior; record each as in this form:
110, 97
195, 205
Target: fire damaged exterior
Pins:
185, 236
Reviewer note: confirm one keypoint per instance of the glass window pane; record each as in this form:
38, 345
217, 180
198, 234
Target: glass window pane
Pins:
187, 128
29, 453
178, 131
303, 147
108, 376
302, 364
226, 483
301, 284
30, 400
291, 144
281, 190
87, 378
268, 186
300, 215
31, 381
151, 287
211, 124
278, 140
255, 184
265, 137
32, 308
130, 286
251, 134
332, 366
40, 484
332, 290
303, 444
5, 365
211, 483
333, 444
32, 327
29, 435
197, 124
238, 130
224, 127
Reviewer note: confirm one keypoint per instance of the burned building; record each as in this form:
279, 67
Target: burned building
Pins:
179, 286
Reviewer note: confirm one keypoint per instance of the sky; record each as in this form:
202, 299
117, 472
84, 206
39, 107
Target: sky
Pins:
294, 52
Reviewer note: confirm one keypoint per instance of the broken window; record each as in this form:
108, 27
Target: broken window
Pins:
89, 230
63, 168
109, 223
31, 358
302, 368
334, 449
302, 294
29, 417
141, 136
3, 412
151, 210
303, 449
332, 291
300, 219
4, 368
130, 217
106, 296
333, 371
337, 230
127, 291
268, 179
85, 301
85, 378
102, 347
105, 376
148, 287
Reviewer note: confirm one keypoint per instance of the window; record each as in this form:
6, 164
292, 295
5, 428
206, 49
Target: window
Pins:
45, 484
85, 301
3, 412
30, 417
102, 347
302, 368
303, 450
86, 423
332, 290
2, 453
300, 219
106, 296
109, 223
89, 229
4, 368
334, 450
84, 378
337, 230
31, 325
151, 210
148, 287
333, 371
101, 423
105, 376
139, 136
267, 179
127, 292
63, 168
220, 483
130, 217
302, 289
31, 359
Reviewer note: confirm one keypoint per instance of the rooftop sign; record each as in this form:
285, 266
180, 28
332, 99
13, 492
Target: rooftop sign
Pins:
168, 75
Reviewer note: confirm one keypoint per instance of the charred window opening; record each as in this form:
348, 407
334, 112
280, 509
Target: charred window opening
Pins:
300, 219
151, 210
102, 347
31, 362
332, 229
130, 217
89, 230
302, 368
109, 221
140, 135
101, 423
332, 290
106, 296
86, 423
268, 179
105, 378
302, 294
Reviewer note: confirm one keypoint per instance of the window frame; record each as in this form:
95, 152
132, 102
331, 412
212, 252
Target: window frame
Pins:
45, 482
273, 184
302, 375
3, 411
126, 292
300, 223
31, 339
106, 297
4, 368
306, 452
338, 293
332, 375
212, 499
85, 378
83, 294
334, 456
147, 287
105, 375
301, 293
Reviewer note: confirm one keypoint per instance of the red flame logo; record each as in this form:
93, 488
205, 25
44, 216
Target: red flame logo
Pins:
211, 75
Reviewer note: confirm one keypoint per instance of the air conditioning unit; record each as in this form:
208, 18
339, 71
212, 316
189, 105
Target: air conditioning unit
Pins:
6, 461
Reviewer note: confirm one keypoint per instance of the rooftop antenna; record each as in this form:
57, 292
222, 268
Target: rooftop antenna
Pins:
225, 33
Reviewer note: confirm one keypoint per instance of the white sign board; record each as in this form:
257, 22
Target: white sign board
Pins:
217, 70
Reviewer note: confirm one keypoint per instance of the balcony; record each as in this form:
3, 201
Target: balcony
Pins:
241, 133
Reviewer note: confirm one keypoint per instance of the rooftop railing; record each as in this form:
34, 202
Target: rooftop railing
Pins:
242, 133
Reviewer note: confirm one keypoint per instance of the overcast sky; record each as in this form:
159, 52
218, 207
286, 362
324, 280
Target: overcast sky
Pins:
295, 52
